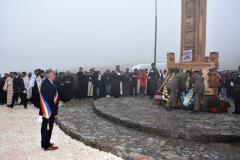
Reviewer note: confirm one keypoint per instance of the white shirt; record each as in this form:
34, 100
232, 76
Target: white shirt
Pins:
26, 82
32, 81
39, 81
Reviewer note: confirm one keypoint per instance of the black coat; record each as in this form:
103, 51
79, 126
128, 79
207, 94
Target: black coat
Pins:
18, 85
48, 91
116, 79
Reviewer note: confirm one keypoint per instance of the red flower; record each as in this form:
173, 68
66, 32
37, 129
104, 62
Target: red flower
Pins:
214, 109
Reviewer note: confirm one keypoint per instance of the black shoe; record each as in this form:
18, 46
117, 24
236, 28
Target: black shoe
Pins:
235, 112
9, 106
51, 148
168, 109
195, 112
51, 144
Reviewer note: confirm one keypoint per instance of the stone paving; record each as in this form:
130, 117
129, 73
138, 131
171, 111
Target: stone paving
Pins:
79, 120
141, 114
20, 139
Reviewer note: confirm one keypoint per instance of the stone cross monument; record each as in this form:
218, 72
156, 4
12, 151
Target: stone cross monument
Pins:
193, 35
193, 42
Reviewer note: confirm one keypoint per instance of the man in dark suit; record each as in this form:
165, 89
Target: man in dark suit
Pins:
81, 78
19, 91
50, 95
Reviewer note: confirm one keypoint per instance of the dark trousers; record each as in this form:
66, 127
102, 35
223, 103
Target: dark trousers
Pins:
237, 106
4, 97
46, 131
23, 97
95, 90
1, 97
152, 88
125, 88
142, 90
135, 87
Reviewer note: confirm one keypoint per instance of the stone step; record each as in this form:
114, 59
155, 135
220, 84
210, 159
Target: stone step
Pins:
78, 120
141, 114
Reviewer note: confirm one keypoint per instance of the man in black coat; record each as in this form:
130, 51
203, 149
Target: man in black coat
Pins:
19, 91
67, 88
153, 77
49, 95
95, 82
116, 80
81, 79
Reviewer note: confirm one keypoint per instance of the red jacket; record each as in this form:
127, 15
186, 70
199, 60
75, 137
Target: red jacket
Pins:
143, 79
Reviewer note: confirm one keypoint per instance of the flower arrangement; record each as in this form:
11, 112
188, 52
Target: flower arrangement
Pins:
187, 98
163, 93
216, 105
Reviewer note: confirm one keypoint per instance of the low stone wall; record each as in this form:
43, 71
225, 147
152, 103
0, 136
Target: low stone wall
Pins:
179, 124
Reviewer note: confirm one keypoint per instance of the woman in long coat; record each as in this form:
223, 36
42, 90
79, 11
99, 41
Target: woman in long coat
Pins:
8, 87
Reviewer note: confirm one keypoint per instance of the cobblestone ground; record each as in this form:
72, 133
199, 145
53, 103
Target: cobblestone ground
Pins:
79, 120
176, 124
20, 139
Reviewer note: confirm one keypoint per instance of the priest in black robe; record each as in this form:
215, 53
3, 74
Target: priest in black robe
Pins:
81, 82
67, 89
116, 79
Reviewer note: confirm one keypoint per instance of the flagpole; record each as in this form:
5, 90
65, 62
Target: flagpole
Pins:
155, 41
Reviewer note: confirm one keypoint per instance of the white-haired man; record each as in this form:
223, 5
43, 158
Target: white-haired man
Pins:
49, 109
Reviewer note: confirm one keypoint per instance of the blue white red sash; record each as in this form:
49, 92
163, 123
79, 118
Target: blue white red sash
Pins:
46, 110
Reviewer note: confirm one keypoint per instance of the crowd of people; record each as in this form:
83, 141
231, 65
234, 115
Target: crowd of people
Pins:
82, 85
94, 84
230, 87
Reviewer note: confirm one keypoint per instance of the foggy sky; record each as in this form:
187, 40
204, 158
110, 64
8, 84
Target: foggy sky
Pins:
72, 33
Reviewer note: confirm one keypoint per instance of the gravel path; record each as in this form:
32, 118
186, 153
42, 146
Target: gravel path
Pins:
20, 139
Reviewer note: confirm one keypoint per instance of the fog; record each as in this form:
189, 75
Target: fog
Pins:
67, 34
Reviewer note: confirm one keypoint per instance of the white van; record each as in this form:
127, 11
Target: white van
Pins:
160, 66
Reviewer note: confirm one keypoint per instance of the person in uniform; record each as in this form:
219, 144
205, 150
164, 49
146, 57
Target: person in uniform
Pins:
48, 110
153, 78
198, 86
116, 79
176, 85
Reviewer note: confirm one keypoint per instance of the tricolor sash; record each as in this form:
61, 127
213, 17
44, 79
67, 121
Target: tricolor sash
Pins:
56, 99
46, 111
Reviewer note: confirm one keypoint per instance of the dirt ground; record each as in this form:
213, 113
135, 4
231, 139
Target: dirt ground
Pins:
20, 139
